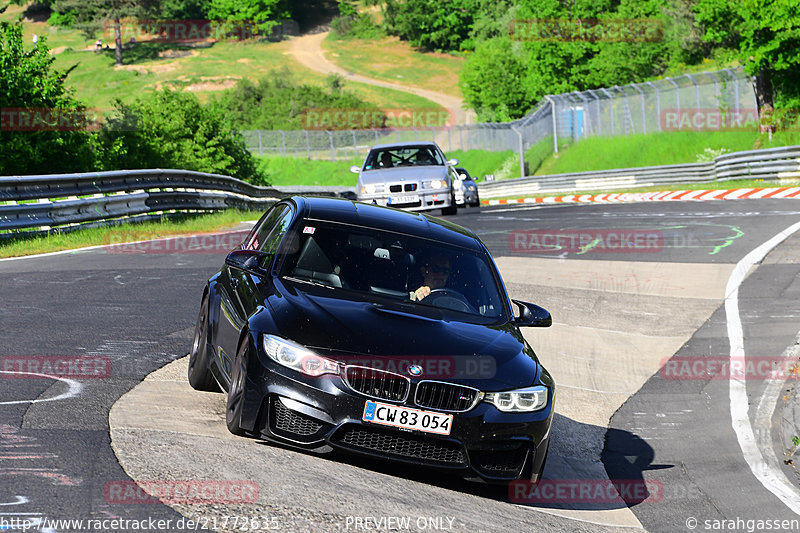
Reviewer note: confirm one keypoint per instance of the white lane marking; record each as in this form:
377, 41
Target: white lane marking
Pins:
100, 246
576, 519
766, 405
767, 472
627, 393
74, 389
20, 500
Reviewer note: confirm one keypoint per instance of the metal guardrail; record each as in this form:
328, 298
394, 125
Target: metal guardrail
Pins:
772, 164
40, 203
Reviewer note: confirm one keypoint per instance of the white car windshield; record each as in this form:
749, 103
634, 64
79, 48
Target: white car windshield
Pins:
404, 156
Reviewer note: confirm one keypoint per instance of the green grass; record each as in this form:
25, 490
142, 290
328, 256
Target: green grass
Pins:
479, 163
127, 232
204, 70
666, 148
299, 171
392, 60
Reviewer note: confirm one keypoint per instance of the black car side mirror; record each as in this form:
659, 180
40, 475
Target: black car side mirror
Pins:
248, 260
532, 315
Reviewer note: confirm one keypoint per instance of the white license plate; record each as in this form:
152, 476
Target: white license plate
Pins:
403, 199
407, 418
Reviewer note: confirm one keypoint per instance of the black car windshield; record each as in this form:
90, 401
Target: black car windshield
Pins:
403, 156
391, 267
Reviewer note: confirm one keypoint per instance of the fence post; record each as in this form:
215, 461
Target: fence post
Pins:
333, 148
611, 112
735, 88
696, 91
260, 144
677, 95
521, 152
658, 104
549, 98
308, 145
641, 98
283, 136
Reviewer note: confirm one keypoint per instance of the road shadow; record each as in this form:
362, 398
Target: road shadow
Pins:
574, 482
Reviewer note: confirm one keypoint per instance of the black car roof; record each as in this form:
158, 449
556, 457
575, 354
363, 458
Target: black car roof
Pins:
385, 218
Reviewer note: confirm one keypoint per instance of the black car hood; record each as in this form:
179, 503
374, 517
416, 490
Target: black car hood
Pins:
339, 325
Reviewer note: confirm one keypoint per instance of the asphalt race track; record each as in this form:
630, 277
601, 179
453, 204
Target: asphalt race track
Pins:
638, 349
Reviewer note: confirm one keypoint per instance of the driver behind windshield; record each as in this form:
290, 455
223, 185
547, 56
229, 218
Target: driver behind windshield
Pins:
435, 272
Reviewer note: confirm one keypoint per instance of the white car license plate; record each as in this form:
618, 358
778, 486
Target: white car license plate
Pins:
410, 199
407, 418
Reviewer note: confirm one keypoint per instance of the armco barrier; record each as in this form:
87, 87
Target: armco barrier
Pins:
773, 164
37, 203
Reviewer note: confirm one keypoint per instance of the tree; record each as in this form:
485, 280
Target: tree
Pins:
92, 15
493, 81
766, 34
265, 14
170, 129
34, 137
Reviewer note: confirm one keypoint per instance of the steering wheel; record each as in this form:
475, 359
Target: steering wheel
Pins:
449, 299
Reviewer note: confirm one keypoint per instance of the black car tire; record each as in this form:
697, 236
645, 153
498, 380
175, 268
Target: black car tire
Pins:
477, 201
453, 209
233, 407
200, 376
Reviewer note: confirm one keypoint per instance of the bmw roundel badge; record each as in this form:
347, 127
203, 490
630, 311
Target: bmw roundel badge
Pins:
415, 370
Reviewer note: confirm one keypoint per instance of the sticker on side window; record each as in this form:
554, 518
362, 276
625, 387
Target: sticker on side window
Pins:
309, 229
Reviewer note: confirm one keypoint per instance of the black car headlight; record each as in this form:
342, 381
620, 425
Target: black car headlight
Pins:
519, 401
296, 357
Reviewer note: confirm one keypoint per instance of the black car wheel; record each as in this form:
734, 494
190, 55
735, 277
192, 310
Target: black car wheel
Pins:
453, 209
200, 377
233, 409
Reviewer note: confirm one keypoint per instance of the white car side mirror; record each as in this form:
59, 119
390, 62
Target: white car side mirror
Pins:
453, 162
355, 169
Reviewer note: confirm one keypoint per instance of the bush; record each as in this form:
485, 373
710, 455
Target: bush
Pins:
30, 87
277, 102
170, 129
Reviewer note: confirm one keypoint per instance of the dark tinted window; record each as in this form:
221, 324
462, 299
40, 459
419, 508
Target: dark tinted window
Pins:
390, 266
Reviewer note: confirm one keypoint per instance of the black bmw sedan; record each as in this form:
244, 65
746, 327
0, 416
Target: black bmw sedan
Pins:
348, 326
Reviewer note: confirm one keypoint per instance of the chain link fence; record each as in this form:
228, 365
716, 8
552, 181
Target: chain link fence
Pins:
707, 100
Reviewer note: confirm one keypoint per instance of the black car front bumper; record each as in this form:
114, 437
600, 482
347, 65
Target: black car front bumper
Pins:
323, 413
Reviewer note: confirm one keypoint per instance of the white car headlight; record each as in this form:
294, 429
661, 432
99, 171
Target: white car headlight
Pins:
297, 357
519, 401
435, 184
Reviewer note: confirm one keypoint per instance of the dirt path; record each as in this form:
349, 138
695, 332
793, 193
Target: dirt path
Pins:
307, 49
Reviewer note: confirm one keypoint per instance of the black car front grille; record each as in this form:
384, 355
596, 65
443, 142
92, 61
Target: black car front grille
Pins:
500, 462
408, 187
377, 383
401, 445
445, 396
288, 423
